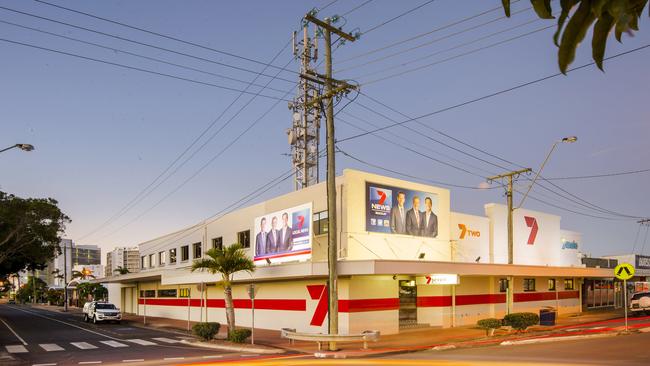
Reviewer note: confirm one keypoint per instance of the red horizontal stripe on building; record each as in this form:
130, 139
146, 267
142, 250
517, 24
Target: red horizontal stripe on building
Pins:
433, 301
260, 304
545, 296
480, 299
261, 258
361, 305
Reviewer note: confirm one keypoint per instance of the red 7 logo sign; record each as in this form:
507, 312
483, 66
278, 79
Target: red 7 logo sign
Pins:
531, 222
318, 292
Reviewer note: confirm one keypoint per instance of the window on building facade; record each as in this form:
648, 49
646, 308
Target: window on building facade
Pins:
529, 284
568, 284
151, 260
147, 293
196, 250
172, 256
167, 293
503, 285
217, 243
551, 284
244, 238
185, 253
142, 262
321, 223
161, 258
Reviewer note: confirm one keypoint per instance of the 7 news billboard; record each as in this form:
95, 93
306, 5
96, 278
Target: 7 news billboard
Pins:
401, 211
283, 235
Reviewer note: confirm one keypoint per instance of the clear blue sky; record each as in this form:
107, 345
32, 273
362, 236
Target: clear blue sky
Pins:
103, 133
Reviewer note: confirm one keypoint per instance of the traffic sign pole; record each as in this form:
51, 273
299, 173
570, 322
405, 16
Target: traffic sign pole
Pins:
625, 301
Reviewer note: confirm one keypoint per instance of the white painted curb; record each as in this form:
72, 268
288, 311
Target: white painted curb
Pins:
443, 347
224, 347
644, 330
556, 339
330, 355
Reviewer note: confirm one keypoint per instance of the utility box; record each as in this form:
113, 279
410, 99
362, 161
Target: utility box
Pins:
547, 315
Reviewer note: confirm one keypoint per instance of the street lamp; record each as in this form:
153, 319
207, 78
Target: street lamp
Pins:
24, 147
566, 140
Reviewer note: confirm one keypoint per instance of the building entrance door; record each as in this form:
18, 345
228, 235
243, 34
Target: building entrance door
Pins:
408, 310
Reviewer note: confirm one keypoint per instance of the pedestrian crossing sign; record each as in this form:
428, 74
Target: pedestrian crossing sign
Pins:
624, 271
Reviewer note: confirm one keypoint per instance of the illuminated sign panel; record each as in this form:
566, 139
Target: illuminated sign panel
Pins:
441, 279
284, 235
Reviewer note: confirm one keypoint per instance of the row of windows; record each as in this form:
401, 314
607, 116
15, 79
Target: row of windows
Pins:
529, 284
320, 226
184, 292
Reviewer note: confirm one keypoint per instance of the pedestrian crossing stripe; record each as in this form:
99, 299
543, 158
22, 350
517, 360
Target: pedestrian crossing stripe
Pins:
16, 349
166, 340
114, 344
83, 345
141, 342
50, 347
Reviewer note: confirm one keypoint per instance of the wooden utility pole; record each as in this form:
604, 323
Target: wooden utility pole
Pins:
332, 88
510, 177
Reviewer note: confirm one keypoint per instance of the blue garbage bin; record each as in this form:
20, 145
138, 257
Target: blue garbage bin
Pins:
547, 316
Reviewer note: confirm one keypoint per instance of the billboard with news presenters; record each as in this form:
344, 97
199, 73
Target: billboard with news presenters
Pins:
283, 235
401, 211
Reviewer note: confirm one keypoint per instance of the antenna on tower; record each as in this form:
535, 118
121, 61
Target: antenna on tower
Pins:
304, 134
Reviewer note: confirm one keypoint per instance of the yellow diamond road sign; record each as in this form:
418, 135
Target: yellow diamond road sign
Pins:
624, 271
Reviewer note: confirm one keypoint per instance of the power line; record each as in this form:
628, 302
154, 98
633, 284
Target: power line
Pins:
140, 43
452, 57
114, 49
397, 17
408, 175
436, 40
136, 68
491, 95
601, 175
356, 8
401, 42
165, 35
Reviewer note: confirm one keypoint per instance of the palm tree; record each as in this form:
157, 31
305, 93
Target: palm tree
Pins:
227, 262
84, 274
121, 270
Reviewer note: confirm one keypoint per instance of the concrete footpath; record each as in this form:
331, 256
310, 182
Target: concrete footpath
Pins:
571, 325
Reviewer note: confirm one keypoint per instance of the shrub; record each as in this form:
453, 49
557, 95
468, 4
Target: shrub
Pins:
206, 331
521, 321
489, 323
239, 335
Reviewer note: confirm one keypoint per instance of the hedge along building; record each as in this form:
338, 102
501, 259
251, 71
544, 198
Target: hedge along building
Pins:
390, 270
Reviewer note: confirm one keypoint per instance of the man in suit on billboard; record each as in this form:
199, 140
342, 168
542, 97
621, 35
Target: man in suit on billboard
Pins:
272, 237
260, 239
414, 218
398, 215
286, 235
430, 221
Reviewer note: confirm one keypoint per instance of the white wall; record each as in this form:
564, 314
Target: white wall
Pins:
471, 236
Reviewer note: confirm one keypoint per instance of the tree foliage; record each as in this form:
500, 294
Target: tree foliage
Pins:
226, 262
121, 270
622, 16
30, 230
33, 287
94, 290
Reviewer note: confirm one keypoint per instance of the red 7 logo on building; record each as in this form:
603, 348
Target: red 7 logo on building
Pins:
318, 292
382, 197
463, 230
531, 222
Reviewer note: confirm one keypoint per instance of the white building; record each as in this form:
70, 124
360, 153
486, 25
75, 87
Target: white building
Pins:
388, 272
124, 257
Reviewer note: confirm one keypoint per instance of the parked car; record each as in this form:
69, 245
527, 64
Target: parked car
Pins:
99, 311
11, 301
640, 303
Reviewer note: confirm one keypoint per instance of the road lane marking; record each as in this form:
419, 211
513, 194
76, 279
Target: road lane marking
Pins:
213, 356
50, 347
136, 360
142, 342
113, 344
251, 355
44, 364
166, 340
89, 362
173, 358
16, 349
14, 332
83, 345
66, 323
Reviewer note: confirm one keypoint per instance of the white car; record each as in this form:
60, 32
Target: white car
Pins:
97, 311
640, 302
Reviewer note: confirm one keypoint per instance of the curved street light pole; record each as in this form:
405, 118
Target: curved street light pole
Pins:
568, 140
24, 147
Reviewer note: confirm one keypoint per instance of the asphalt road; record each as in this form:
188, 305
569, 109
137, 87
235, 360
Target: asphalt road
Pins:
628, 350
40, 337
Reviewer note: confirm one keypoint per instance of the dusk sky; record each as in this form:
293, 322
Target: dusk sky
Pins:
103, 133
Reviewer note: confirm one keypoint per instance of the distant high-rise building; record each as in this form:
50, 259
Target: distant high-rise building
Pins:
72, 257
124, 257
